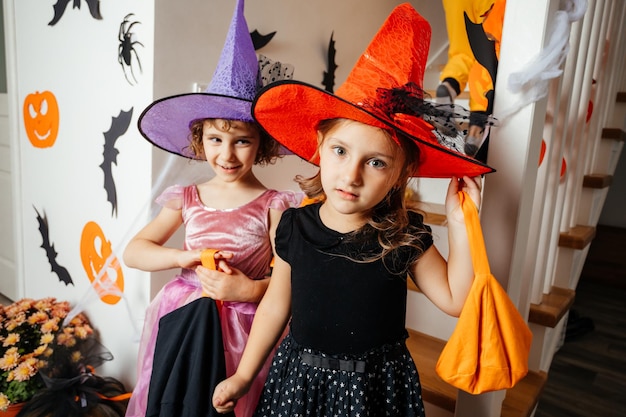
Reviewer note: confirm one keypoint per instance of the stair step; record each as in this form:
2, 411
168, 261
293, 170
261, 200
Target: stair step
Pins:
434, 219
552, 308
614, 133
578, 237
519, 401
597, 181
434, 213
425, 351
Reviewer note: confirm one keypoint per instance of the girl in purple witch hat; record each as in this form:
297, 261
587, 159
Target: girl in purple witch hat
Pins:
233, 213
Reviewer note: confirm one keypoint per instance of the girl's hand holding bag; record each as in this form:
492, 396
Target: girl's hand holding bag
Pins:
489, 348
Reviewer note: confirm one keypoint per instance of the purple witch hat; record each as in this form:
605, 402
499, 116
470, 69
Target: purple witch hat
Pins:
165, 123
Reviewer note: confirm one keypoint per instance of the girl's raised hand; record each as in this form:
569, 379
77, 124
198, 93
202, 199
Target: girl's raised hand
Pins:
453, 206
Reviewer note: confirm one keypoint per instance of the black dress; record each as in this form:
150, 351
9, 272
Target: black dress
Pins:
345, 354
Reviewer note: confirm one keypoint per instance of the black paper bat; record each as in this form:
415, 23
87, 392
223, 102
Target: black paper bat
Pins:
329, 76
60, 6
119, 126
259, 41
51, 253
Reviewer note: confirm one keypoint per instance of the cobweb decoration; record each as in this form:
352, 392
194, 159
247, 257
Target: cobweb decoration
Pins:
531, 82
271, 71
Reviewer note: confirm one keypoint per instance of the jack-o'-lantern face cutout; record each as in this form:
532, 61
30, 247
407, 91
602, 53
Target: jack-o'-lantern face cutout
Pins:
95, 253
41, 118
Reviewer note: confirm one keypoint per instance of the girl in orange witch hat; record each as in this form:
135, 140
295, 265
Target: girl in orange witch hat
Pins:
342, 263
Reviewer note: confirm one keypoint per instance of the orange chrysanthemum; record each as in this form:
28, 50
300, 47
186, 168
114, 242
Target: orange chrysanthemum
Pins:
26, 370
11, 339
4, 401
31, 330
10, 359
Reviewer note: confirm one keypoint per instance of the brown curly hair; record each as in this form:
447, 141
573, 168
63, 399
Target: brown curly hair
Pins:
267, 153
389, 219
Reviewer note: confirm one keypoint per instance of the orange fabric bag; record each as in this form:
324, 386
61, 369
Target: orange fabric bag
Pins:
489, 347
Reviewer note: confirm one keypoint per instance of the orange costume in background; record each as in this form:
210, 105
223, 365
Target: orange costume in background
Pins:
474, 31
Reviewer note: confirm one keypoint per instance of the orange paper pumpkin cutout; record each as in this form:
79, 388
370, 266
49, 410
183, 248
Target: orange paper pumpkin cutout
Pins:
41, 118
95, 250
542, 154
490, 345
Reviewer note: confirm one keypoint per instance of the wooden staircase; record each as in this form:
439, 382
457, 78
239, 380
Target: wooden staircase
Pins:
591, 149
521, 400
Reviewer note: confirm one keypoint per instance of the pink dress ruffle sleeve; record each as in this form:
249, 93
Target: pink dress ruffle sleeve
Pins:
244, 231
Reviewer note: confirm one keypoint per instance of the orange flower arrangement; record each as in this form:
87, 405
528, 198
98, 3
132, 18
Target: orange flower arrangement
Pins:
30, 331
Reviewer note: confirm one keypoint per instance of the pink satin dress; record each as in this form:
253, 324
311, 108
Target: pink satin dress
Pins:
244, 231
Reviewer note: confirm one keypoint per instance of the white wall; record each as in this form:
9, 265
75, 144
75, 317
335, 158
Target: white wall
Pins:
188, 44
77, 61
8, 282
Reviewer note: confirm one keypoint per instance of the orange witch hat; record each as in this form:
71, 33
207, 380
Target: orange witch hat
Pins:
384, 90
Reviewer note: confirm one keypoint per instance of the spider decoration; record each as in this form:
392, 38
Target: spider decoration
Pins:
127, 49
